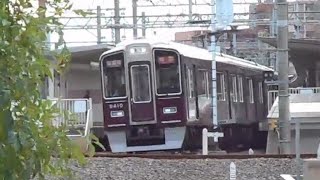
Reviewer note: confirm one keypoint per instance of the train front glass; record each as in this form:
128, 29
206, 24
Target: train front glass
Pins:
167, 72
114, 76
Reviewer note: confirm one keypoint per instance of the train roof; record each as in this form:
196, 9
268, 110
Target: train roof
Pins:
192, 52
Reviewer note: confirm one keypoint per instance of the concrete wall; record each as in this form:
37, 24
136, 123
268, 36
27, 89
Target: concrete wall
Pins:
309, 142
81, 80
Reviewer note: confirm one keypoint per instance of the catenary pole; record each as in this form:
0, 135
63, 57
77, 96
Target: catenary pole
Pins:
117, 20
213, 68
99, 37
282, 61
134, 19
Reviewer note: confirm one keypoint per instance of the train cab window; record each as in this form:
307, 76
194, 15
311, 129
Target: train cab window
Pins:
203, 90
168, 74
221, 87
114, 76
240, 88
233, 92
140, 77
250, 87
260, 93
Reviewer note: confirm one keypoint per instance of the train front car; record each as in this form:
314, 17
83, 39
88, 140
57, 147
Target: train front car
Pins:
143, 104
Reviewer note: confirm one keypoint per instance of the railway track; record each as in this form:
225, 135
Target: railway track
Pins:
197, 156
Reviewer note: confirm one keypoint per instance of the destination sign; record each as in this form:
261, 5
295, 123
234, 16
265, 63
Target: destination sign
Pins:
166, 60
114, 63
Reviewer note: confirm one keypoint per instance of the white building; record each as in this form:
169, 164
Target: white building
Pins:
81, 77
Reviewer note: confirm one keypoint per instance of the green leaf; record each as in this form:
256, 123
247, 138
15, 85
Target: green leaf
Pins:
82, 12
27, 138
5, 22
91, 150
96, 141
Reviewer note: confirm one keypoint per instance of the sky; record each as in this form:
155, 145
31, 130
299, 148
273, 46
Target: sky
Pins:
166, 34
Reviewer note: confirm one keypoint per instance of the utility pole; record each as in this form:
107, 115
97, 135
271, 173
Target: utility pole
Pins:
117, 21
190, 10
143, 24
282, 59
42, 4
50, 87
134, 18
234, 43
213, 66
99, 25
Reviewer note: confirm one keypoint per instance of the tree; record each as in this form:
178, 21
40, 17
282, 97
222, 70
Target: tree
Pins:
28, 140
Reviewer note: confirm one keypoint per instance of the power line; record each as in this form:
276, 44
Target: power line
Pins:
118, 21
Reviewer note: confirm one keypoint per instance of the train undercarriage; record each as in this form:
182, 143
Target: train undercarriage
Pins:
148, 138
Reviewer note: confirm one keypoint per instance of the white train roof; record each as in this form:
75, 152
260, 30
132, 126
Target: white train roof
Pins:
192, 52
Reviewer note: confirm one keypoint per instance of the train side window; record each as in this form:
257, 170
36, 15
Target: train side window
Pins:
190, 83
250, 85
240, 88
192, 106
233, 93
260, 93
204, 83
221, 95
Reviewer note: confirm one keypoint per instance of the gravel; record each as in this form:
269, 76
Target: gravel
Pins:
207, 169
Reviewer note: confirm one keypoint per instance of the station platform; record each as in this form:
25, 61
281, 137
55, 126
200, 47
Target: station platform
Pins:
304, 108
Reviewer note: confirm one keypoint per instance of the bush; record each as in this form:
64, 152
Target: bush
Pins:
28, 140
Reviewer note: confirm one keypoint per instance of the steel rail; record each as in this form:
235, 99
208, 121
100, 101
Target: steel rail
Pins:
196, 156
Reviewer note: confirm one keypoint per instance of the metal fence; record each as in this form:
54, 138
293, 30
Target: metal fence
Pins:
273, 94
74, 113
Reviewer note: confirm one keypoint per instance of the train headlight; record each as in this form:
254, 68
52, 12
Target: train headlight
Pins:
138, 50
116, 113
169, 110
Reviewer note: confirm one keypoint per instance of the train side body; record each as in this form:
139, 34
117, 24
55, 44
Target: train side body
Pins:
153, 92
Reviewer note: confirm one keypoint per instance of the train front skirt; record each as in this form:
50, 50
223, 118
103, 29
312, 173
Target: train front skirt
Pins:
174, 138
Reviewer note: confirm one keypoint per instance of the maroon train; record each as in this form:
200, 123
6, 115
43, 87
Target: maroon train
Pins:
157, 96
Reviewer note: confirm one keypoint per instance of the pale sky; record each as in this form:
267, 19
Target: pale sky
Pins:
166, 34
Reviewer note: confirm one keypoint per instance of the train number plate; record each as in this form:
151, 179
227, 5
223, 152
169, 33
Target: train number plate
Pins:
116, 106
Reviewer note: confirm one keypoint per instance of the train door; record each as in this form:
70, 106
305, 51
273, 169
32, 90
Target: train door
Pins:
141, 93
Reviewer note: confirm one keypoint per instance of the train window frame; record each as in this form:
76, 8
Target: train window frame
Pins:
206, 76
250, 87
240, 88
133, 84
234, 92
102, 75
260, 92
222, 95
156, 75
